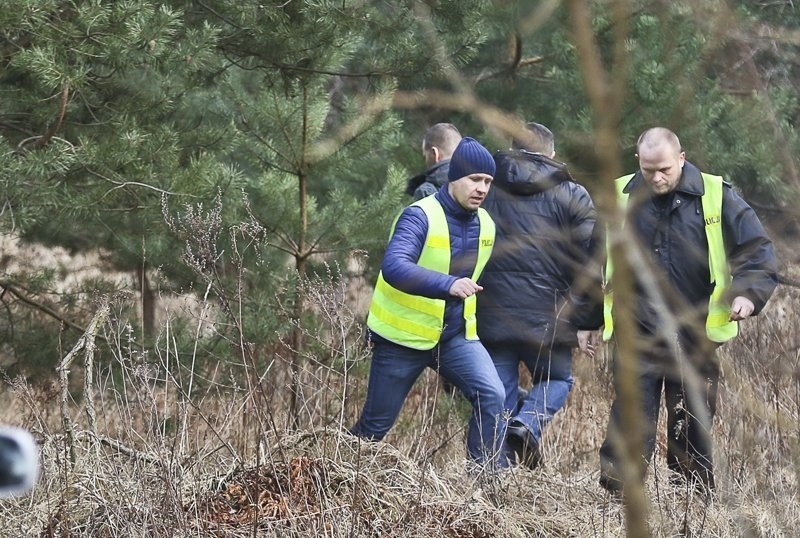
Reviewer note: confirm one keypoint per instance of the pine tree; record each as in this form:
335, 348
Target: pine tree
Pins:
691, 66
217, 115
309, 86
91, 131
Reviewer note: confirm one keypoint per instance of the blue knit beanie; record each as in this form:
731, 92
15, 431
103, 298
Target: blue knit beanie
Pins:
468, 158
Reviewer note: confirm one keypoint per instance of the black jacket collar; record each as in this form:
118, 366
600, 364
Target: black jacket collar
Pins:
524, 173
691, 181
436, 174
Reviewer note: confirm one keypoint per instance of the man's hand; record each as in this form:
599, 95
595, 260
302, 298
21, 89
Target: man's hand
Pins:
741, 308
464, 287
588, 342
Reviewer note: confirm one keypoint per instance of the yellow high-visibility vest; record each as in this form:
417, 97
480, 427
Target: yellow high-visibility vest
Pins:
415, 321
719, 328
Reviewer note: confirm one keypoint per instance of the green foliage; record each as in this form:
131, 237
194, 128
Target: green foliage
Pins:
688, 70
276, 119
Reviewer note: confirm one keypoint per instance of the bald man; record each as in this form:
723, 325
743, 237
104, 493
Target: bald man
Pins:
709, 265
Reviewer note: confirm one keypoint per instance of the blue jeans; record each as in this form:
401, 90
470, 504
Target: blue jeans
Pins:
551, 373
465, 363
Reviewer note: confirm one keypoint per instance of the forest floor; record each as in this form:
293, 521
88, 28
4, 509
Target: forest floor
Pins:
149, 457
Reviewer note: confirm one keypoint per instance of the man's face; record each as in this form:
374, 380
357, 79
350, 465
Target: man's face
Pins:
661, 167
470, 191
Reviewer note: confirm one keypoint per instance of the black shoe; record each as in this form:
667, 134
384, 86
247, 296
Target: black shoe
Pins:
525, 447
611, 485
703, 484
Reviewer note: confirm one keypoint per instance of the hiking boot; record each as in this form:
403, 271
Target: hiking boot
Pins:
525, 447
611, 485
703, 485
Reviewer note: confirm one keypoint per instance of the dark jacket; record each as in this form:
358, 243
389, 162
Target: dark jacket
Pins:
429, 181
671, 228
400, 268
545, 223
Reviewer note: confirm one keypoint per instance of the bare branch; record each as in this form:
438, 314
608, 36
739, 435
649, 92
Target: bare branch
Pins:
12, 288
123, 184
86, 345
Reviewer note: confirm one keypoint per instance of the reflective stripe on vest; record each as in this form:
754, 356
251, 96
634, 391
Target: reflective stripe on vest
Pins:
608, 295
719, 328
415, 321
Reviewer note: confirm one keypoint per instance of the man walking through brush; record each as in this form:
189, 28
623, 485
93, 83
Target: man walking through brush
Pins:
709, 264
530, 311
423, 309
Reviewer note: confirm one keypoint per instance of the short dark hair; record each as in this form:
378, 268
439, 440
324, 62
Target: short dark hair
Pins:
444, 136
538, 139
655, 136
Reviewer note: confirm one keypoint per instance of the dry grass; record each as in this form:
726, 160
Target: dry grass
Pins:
181, 450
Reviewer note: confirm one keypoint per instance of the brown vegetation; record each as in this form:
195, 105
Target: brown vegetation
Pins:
177, 451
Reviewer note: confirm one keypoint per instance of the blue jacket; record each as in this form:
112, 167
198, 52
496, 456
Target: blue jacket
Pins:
399, 265
545, 229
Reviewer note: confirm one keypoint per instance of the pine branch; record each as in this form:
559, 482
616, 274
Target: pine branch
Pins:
14, 289
123, 184
772, 208
62, 110
514, 62
509, 70
284, 67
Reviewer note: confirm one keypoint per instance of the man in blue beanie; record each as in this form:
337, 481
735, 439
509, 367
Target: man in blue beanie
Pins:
423, 309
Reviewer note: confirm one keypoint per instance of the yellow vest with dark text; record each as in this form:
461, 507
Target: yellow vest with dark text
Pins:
719, 328
415, 321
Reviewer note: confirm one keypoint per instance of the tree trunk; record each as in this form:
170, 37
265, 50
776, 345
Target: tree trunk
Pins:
606, 90
301, 256
148, 301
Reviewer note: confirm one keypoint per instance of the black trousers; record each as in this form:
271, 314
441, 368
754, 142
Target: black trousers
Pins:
689, 382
